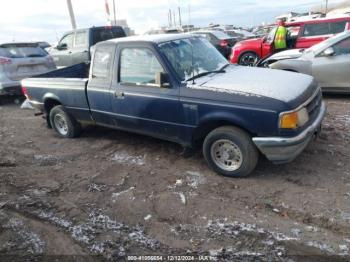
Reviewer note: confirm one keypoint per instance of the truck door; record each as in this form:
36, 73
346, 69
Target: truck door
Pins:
140, 105
99, 85
80, 50
61, 54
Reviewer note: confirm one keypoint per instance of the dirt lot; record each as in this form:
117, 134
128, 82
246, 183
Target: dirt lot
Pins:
112, 194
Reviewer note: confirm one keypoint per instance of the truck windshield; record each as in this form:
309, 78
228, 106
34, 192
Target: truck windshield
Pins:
192, 56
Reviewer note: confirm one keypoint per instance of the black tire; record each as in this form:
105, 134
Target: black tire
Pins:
65, 125
239, 145
248, 59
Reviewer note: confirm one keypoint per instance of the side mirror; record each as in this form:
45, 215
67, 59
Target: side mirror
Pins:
62, 46
162, 80
329, 51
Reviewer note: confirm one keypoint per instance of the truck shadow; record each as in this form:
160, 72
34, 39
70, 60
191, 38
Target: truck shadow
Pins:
8, 100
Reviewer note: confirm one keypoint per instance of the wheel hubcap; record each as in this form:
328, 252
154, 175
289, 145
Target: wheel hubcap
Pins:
248, 60
61, 124
226, 155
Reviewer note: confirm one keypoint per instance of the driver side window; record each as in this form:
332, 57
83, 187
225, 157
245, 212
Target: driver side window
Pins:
139, 66
68, 40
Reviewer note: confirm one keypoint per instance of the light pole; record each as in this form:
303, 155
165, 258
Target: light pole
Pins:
114, 14
71, 14
326, 7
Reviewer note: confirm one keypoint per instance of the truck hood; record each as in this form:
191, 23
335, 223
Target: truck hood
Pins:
259, 82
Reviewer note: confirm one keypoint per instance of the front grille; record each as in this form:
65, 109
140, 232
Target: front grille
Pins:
314, 106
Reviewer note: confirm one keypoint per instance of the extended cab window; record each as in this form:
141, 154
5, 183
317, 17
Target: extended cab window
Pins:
138, 66
81, 39
102, 62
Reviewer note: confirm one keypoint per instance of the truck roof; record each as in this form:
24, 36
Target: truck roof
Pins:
161, 38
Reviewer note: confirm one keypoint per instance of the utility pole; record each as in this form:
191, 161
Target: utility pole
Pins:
189, 15
114, 13
326, 7
71, 14
180, 17
108, 13
170, 19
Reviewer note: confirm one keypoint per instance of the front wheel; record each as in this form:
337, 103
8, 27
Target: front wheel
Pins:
248, 59
229, 151
64, 124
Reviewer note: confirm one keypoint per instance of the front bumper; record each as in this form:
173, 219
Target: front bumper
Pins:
283, 150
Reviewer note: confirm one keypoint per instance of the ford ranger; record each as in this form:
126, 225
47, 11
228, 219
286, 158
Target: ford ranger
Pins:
180, 88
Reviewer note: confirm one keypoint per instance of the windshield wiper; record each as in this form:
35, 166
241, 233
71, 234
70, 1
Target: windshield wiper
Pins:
221, 70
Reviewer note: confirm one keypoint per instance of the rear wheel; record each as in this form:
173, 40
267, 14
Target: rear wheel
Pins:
230, 151
248, 59
64, 124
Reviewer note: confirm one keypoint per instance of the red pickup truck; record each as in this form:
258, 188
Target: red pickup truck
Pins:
302, 34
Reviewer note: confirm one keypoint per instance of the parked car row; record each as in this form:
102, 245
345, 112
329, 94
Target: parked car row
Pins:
328, 62
220, 40
301, 35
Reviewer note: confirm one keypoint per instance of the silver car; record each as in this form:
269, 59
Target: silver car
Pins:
19, 61
328, 62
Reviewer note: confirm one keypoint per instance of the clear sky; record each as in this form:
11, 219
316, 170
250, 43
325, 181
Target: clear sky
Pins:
46, 20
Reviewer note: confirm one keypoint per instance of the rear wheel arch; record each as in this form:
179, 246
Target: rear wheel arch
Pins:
63, 123
50, 103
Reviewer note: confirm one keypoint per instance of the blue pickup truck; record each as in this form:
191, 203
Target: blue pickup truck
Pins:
180, 88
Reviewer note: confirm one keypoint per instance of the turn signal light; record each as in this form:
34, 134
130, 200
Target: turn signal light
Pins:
5, 61
289, 120
292, 120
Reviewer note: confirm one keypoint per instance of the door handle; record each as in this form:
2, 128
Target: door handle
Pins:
119, 94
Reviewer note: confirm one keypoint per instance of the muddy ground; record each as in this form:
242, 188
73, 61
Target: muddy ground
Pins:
110, 194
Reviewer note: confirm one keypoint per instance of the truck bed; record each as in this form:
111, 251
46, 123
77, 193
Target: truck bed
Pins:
76, 71
67, 84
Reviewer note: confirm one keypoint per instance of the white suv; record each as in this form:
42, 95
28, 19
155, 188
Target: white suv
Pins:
19, 61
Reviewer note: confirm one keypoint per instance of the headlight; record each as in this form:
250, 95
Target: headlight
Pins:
293, 120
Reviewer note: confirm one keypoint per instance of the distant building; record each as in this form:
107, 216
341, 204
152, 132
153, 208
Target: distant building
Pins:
124, 23
294, 17
339, 12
